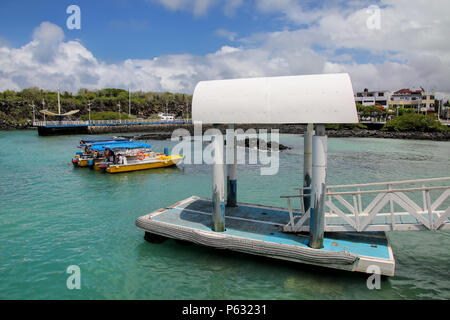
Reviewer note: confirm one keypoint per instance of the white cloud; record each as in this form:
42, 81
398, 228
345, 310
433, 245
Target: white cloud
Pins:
411, 47
46, 38
226, 34
198, 7
201, 7
231, 6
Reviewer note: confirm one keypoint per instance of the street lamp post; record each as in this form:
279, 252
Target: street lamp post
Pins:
34, 116
120, 116
129, 102
89, 109
43, 107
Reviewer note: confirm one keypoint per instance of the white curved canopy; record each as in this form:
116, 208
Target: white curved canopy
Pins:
327, 98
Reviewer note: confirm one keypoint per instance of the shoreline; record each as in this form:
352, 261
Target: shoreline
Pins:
162, 132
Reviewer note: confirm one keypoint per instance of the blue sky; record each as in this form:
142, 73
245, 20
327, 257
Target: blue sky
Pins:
116, 30
172, 44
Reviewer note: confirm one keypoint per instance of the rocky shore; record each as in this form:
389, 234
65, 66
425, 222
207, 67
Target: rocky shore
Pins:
361, 133
160, 134
163, 132
15, 126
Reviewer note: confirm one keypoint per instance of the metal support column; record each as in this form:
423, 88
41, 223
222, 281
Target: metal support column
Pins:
218, 196
307, 165
231, 167
318, 187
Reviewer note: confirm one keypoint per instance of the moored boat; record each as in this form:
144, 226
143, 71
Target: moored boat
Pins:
130, 159
89, 157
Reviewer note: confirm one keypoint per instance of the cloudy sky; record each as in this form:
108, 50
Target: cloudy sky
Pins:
170, 45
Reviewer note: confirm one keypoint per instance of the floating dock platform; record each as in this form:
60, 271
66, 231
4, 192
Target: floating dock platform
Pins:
256, 229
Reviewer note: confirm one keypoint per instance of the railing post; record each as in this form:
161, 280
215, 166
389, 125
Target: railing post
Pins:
356, 209
360, 200
318, 188
291, 215
391, 204
424, 199
430, 210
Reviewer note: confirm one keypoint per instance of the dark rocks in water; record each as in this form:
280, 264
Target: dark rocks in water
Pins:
153, 136
346, 133
247, 143
261, 144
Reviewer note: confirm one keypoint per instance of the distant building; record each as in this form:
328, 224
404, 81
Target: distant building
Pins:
372, 98
416, 99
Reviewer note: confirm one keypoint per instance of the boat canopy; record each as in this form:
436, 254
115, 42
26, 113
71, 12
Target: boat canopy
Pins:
120, 146
106, 142
325, 98
95, 141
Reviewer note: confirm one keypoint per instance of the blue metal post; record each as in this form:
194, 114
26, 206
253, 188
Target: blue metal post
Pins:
231, 167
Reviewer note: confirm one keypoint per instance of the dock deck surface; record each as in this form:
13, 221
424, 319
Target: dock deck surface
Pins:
261, 224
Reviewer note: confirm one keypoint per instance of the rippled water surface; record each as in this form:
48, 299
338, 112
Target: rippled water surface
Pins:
53, 215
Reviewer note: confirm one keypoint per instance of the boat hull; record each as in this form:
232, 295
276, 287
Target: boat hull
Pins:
80, 162
167, 162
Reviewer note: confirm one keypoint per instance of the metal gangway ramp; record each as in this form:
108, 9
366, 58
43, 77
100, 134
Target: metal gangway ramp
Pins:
382, 206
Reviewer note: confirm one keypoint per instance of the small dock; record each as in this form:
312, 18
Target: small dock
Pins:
50, 128
258, 230
341, 227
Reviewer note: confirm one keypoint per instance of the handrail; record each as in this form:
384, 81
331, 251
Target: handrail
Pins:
369, 192
346, 214
382, 183
115, 122
391, 183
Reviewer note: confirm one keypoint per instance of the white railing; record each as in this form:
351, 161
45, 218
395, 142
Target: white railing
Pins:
59, 123
106, 122
407, 208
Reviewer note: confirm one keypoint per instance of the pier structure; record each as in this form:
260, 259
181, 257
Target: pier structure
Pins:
46, 128
305, 235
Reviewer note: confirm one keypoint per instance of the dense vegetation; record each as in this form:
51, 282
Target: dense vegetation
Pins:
415, 122
107, 115
15, 107
380, 113
345, 126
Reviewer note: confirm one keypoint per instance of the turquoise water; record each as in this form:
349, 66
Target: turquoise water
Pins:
53, 215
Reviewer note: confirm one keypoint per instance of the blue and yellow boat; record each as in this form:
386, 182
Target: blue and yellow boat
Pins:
89, 157
134, 157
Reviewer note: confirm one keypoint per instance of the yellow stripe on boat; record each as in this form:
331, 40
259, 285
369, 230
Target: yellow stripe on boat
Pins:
97, 162
162, 162
83, 163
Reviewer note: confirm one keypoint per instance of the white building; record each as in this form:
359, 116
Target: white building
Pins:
372, 98
416, 99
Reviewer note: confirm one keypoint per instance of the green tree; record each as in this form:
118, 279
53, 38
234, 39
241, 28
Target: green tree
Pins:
414, 122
